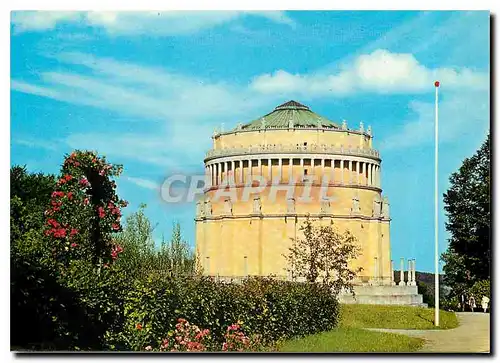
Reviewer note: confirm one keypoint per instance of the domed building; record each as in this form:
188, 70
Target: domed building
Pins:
263, 178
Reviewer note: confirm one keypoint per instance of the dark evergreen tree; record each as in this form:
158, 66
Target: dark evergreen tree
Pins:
467, 204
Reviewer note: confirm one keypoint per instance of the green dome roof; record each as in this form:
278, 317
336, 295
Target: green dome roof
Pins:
288, 114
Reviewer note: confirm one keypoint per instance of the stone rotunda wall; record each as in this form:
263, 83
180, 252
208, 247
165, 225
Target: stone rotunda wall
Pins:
286, 155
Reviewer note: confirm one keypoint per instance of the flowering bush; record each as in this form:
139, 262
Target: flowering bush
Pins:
265, 310
237, 341
84, 210
185, 338
190, 338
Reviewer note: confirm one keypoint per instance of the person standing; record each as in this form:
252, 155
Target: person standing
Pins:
472, 303
484, 303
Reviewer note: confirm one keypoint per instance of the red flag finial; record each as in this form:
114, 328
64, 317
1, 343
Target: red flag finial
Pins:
436, 83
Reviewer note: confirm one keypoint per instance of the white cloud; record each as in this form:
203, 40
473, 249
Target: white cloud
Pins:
459, 115
42, 20
177, 103
146, 148
35, 143
379, 72
143, 183
164, 23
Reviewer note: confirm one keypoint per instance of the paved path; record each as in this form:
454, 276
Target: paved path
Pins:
471, 336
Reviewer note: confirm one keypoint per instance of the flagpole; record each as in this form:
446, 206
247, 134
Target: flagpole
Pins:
436, 250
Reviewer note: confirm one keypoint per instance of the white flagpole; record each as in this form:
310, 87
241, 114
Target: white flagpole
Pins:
436, 251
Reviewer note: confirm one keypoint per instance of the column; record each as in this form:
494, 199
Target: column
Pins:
342, 171
402, 273
211, 166
241, 171
301, 170
363, 171
290, 165
380, 176
249, 172
207, 176
357, 172
226, 169
259, 166
392, 273
233, 178
413, 281
332, 177
370, 174
279, 169
350, 171
269, 167
322, 170
415, 271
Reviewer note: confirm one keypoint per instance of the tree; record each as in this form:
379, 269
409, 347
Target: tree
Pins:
324, 255
181, 257
467, 204
137, 242
141, 257
29, 196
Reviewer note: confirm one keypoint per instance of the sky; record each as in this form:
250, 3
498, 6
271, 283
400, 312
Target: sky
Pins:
148, 89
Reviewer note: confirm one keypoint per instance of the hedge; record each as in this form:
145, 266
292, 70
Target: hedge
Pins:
272, 309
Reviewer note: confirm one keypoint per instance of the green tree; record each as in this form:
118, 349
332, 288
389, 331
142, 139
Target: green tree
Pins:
181, 257
138, 243
29, 196
141, 257
467, 204
324, 255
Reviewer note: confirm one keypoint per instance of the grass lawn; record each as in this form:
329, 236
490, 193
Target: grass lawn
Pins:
394, 317
352, 340
351, 337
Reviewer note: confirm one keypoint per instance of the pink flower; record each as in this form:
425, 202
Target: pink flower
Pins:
86, 201
101, 211
148, 347
84, 182
115, 226
60, 233
74, 244
73, 231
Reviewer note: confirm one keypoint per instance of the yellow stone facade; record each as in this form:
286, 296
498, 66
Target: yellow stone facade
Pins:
262, 180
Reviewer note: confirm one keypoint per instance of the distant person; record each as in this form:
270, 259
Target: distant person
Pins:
472, 303
484, 303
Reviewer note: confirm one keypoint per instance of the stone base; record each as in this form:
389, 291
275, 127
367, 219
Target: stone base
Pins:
384, 295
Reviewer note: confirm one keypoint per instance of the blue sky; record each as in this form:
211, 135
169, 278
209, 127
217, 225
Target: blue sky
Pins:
147, 89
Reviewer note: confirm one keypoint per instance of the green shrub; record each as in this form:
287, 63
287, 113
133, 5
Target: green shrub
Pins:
269, 308
480, 289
